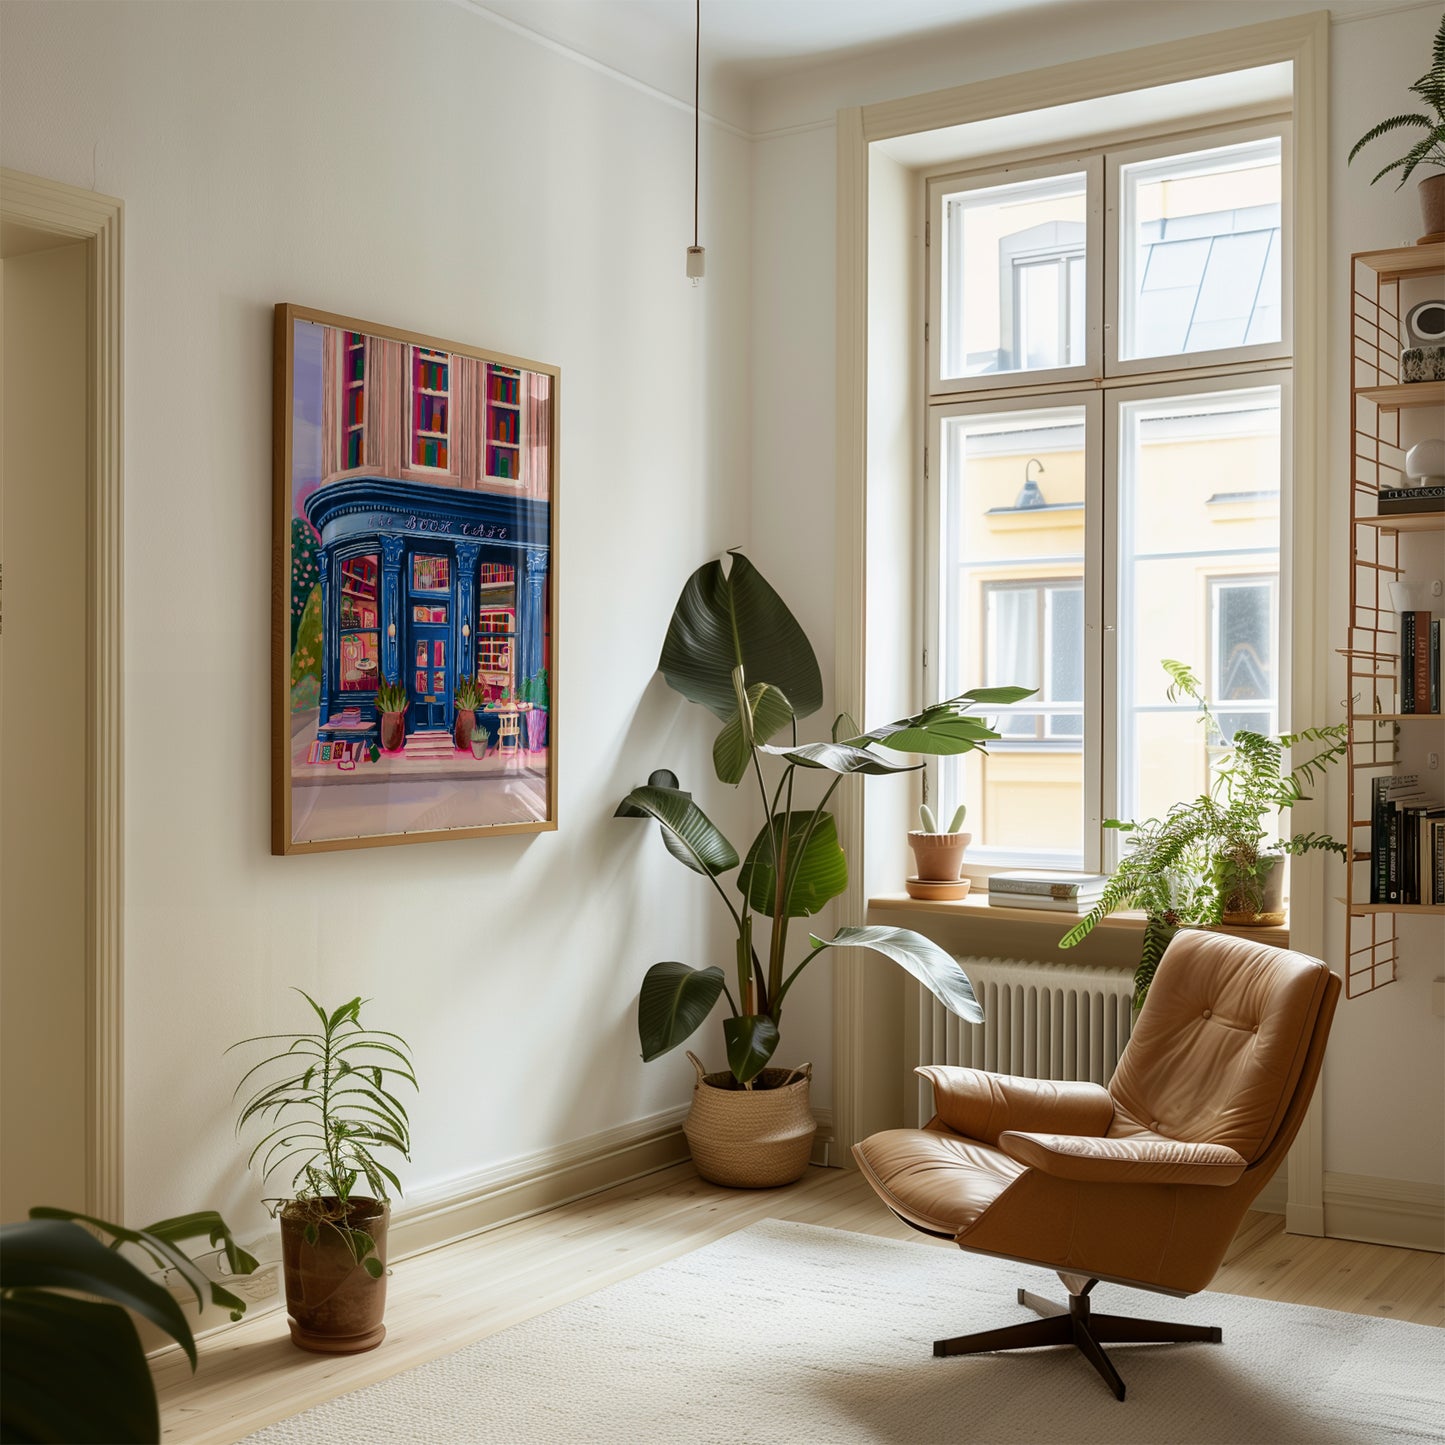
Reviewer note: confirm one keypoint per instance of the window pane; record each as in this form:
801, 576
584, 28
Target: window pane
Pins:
1008, 277
1012, 600
1200, 251
1198, 568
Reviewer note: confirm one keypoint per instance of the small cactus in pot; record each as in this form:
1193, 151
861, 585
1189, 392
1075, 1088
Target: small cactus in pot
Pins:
939, 855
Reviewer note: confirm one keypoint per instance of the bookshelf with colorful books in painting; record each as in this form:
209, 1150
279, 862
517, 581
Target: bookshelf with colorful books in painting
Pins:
502, 442
1396, 800
496, 630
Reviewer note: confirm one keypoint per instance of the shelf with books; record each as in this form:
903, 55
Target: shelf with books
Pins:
1396, 862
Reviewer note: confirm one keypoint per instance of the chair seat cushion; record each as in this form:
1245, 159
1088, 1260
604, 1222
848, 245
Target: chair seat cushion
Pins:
937, 1180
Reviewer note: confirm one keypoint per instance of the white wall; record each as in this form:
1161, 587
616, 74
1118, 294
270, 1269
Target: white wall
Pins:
268, 153
1386, 1049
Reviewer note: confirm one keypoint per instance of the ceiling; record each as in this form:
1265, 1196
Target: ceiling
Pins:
742, 40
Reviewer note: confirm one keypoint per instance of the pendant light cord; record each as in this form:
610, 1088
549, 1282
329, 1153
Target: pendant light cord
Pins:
696, 111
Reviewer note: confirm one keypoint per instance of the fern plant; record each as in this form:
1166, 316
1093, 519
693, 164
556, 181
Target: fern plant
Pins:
1208, 856
332, 1110
1430, 148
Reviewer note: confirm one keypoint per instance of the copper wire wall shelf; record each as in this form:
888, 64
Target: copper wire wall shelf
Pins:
1372, 653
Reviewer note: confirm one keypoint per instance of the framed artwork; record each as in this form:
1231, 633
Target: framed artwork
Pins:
414, 588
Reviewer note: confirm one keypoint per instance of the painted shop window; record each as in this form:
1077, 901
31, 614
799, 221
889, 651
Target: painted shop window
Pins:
360, 638
431, 408
429, 613
496, 627
353, 396
430, 573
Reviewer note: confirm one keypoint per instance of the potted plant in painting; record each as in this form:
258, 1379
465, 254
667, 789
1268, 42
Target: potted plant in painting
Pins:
391, 703
1212, 860
938, 855
734, 647
328, 1097
73, 1366
1428, 149
467, 700
534, 693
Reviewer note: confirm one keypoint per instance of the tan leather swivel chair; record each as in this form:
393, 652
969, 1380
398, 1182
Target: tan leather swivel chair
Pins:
1143, 1183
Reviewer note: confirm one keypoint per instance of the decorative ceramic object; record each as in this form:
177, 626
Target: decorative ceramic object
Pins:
1425, 463
1423, 363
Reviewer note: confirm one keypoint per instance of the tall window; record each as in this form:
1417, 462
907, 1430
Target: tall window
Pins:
1108, 370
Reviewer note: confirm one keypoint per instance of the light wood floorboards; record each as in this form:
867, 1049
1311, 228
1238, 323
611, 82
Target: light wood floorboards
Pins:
250, 1374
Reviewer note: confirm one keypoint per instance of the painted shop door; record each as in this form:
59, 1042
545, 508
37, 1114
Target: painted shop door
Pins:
429, 642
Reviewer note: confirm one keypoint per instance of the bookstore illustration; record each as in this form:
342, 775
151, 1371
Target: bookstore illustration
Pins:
420, 583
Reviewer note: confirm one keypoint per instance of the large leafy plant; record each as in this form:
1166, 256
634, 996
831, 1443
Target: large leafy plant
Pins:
1429, 149
328, 1096
735, 648
1208, 856
72, 1366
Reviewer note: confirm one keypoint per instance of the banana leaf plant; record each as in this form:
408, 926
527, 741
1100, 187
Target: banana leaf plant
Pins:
735, 648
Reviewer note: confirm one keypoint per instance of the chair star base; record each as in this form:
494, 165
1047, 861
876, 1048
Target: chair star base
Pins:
1073, 1324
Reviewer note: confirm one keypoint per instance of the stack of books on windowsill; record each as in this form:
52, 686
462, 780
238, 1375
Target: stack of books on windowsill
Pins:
1062, 892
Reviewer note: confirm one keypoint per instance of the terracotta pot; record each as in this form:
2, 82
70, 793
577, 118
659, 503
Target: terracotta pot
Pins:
335, 1306
1432, 205
939, 856
393, 732
463, 727
1252, 898
754, 1138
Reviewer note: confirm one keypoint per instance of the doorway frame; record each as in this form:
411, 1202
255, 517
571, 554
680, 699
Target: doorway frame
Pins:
71, 214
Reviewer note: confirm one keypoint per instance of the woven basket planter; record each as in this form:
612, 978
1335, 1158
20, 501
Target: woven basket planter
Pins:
751, 1138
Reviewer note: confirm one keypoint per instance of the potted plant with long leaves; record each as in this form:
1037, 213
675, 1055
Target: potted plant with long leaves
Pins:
392, 703
1212, 859
467, 699
733, 647
328, 1096
1427, 149
73, 1366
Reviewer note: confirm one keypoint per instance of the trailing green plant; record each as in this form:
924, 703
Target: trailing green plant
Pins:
468, 695
930, 824
1429, 149
1208, 856
733, 647
72, 1366
391, 697
332, 1111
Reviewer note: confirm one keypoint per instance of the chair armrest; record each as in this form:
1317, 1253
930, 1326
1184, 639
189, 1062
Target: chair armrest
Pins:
1125, 1161
981, 1105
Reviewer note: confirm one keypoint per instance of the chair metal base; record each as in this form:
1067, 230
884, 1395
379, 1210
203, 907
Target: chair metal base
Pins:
1073, 1324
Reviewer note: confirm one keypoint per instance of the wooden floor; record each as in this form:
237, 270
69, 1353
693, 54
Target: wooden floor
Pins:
251, 1375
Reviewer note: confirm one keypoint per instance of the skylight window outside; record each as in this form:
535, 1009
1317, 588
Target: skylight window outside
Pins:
1200, 247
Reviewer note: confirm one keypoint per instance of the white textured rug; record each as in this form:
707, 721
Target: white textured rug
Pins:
790, 1333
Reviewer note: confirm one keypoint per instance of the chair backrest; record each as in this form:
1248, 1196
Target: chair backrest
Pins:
1219, 1050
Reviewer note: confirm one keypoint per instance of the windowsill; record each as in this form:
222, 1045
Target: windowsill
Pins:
976, 909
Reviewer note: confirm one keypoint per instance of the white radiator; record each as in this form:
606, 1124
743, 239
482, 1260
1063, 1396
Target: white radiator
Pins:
1042, 1020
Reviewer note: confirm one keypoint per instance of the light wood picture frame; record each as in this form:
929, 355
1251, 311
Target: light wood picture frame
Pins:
414, 512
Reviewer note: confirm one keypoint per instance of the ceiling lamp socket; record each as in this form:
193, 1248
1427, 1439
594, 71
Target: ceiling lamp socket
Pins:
695, 256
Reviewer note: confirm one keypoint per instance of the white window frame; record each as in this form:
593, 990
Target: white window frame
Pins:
994, 176
1090, 402
1115, 399
1182, 374
1120, 227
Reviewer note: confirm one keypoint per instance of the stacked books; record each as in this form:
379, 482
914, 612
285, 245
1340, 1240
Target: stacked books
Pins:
1419, 662
1407, 842
1062, 892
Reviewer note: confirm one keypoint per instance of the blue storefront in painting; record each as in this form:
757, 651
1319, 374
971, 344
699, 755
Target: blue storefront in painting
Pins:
426, 586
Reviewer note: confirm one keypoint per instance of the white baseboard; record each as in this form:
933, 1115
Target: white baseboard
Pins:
1400, 1212
514, 1189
